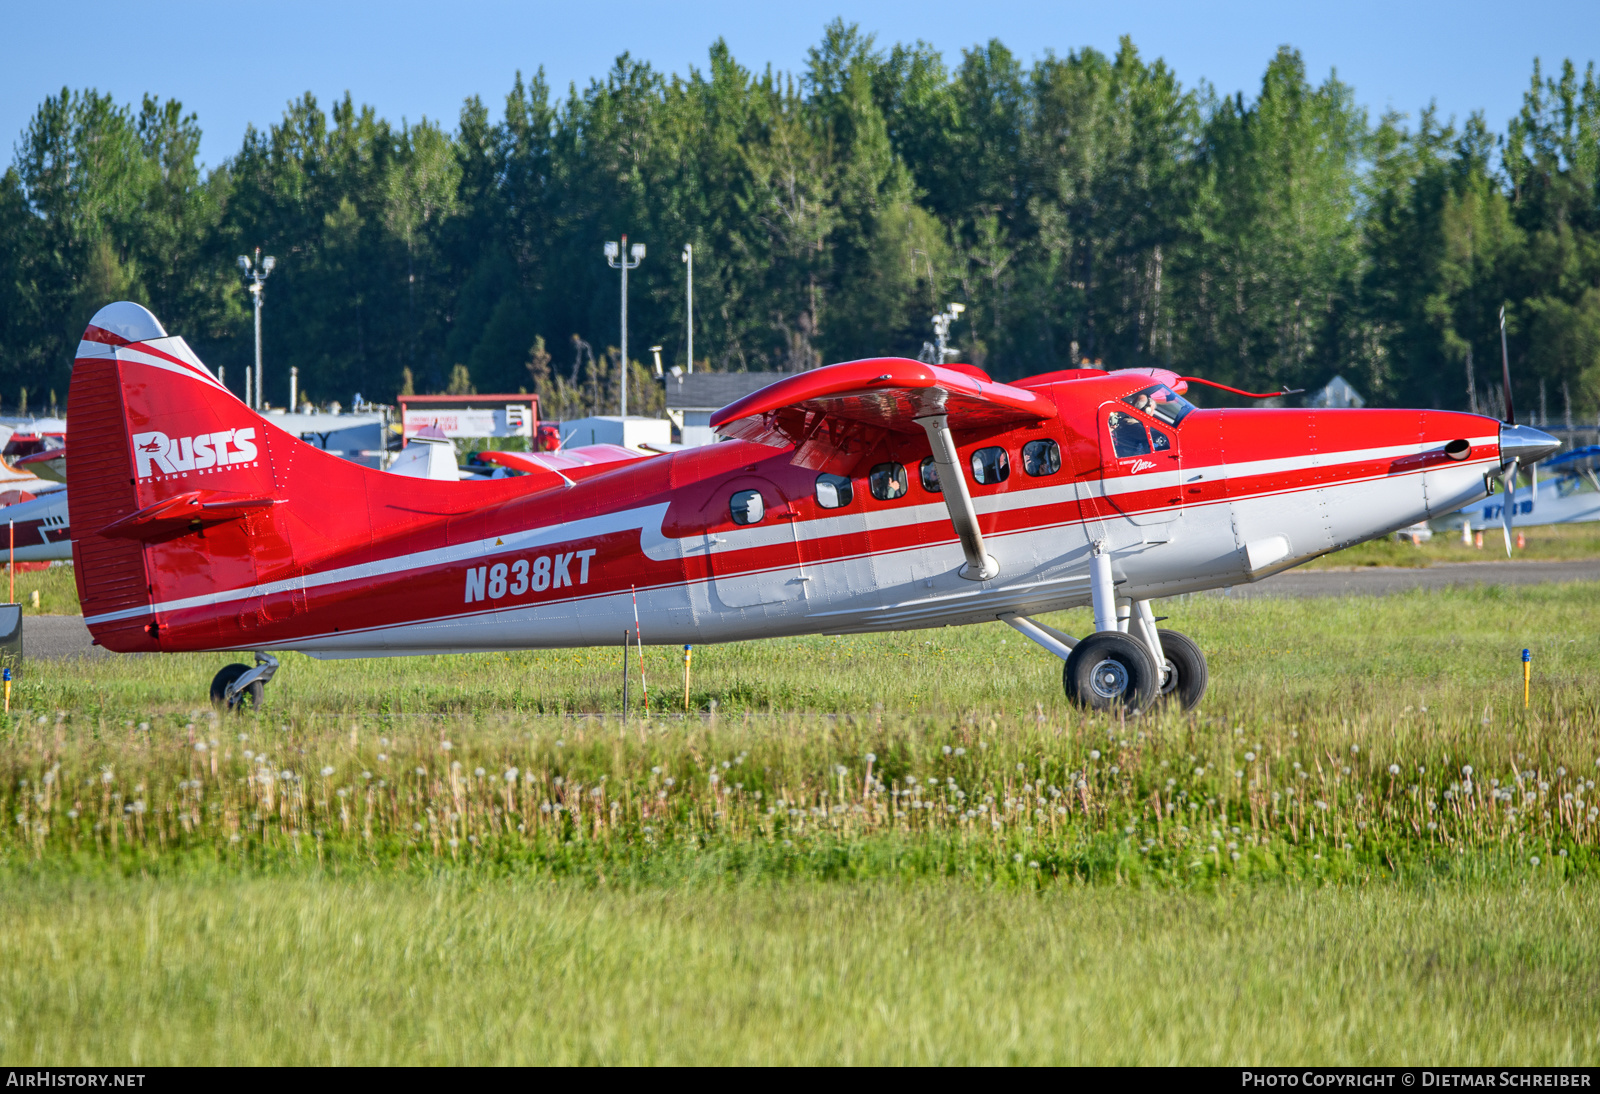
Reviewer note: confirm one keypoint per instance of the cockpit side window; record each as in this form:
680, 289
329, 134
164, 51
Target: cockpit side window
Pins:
1160, 402
1128, 437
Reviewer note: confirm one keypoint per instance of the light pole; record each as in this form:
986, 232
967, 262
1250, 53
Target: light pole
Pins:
688, 260
617, 256
262, 268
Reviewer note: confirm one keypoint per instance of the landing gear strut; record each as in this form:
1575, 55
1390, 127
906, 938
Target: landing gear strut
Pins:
1126, 664
238, 686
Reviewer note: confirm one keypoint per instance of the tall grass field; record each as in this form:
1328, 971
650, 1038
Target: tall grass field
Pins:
1362, 848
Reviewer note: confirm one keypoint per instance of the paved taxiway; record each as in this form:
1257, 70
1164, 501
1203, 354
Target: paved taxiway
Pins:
50, 637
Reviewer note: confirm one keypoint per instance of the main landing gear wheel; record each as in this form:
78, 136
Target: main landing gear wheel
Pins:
251, 696
1110, 671
1185, 678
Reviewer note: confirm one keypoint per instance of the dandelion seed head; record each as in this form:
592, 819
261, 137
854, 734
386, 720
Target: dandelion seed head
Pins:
446, 745
947, 752
326, 771
478, 771
1094, 754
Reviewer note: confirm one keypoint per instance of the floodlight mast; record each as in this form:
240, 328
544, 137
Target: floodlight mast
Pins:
941, 331
617, 257
255, 274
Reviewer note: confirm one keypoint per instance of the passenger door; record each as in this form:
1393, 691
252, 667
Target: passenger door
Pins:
750, 541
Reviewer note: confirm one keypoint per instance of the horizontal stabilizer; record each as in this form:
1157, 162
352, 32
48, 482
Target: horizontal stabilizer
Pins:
183, 512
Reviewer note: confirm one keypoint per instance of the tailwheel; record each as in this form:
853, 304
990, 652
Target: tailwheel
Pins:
237, 686
1110, 671
1185, 676
250, 696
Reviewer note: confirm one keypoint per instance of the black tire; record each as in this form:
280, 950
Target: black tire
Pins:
250, 697
1186, 676
1108, 670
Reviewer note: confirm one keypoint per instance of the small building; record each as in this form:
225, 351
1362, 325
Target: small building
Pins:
1336, 394
692, 399
470, 415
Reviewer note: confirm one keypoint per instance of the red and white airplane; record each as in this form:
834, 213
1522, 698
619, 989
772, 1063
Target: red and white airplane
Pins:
874, 495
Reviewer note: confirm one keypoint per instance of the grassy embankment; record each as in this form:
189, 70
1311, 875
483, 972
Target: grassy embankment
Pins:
1342, 738
467, 970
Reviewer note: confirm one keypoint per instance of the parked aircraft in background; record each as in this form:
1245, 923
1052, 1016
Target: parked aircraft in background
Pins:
1569, 493
875, 495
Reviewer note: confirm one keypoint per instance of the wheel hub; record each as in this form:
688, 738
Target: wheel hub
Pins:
1109, 679
1169, 675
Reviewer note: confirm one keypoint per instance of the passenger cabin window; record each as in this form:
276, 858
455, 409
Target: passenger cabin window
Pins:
746, 507
990, 465
1127, 435
1160, 401
1041, 458
928, 472
833, 491
887, 481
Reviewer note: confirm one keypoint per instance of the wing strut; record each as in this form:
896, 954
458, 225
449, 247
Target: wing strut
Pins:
980, 565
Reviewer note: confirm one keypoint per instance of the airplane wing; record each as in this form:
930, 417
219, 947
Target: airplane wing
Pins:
836, 414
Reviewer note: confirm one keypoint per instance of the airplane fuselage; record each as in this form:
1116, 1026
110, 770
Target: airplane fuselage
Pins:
1234, 496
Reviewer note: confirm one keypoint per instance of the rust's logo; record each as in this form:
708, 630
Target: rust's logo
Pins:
156, 454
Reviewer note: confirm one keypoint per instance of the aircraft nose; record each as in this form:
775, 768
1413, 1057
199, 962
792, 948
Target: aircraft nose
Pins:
1525, 444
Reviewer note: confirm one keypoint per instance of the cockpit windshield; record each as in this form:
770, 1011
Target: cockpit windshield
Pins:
1160, 401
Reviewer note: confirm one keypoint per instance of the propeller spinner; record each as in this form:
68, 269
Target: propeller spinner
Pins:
1520, 446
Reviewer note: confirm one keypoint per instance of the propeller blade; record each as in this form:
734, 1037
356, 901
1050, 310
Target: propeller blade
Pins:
1509, 485
1505, 370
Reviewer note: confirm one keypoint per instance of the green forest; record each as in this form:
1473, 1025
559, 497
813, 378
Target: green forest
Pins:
1081, 206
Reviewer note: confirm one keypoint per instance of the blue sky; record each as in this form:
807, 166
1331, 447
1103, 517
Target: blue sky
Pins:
239, 63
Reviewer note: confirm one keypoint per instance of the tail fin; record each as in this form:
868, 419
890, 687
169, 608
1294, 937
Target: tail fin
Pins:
176, 491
